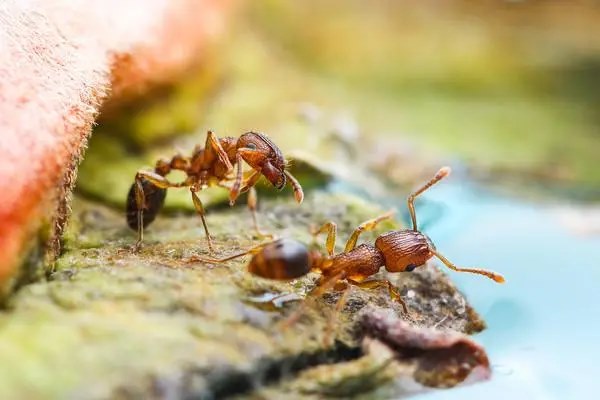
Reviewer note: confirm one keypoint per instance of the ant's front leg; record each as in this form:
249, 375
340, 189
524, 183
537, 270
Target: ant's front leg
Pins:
248, 186
235, 190
376, 283
213, 148
250, 180
252, 204
365, 226
200, 210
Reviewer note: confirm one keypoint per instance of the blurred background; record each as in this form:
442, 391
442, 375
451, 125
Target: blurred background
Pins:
510, 89
511, 86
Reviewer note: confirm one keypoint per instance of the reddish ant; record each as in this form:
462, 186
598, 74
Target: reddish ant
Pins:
212, 165
397, 251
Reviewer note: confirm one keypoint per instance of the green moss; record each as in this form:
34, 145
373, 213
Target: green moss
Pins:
112, 322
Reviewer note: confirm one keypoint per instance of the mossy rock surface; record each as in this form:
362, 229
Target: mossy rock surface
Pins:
114, 324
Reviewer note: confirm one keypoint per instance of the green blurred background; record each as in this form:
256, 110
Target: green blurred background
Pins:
509, 88
513, 85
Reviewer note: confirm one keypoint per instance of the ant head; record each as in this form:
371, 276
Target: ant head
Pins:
264, 156
404, 250
283, 259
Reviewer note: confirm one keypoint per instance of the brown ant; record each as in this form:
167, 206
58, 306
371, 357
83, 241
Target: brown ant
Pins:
397, 251
212, 165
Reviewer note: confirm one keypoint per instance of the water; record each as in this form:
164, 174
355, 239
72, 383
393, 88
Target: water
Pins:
544, 324
543, 335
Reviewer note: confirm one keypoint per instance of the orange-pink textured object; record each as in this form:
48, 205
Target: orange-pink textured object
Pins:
60, 60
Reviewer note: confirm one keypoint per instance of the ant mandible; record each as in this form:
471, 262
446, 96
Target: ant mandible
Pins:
212, 165
397, 251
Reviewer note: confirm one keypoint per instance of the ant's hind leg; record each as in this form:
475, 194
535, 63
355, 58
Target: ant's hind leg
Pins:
139, 202
252, 204
366, 226
200, 210
253, 250
148, 200
376, 283
331, 229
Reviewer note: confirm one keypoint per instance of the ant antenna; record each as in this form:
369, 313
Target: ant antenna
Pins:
441, 174
298, 193
490, 274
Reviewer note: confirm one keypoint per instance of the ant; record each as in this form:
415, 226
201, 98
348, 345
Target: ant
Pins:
212, 165
397, 251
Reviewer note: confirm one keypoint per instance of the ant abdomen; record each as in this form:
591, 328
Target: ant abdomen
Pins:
404, 250
284, 259
154, 198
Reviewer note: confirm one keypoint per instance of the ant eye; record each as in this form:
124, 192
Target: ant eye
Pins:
251, 146
410, 268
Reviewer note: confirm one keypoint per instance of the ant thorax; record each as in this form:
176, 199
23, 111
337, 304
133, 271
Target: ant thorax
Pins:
361, 262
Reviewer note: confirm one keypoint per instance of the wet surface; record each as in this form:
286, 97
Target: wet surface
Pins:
543, 324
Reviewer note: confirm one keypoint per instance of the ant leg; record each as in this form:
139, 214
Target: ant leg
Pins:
139, 203
159, 180
298, 193
339, 306
249, 181
252, 202
140, 198
237, 183
376, 283
441, 174
214, 147
316, 292
366, 226
250, 178
253, 250
200, 209
490, 274
331, 229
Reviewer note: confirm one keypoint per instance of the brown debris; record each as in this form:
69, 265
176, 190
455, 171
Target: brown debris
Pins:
441, 358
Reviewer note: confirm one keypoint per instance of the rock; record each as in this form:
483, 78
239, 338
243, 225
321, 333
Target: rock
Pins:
113, 324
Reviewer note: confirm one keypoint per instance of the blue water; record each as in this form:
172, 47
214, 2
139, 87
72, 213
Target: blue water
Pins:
543, 335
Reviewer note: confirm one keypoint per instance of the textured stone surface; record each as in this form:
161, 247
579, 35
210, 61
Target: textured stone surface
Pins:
113, 324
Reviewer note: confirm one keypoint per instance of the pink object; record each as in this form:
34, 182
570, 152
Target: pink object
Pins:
60, 60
